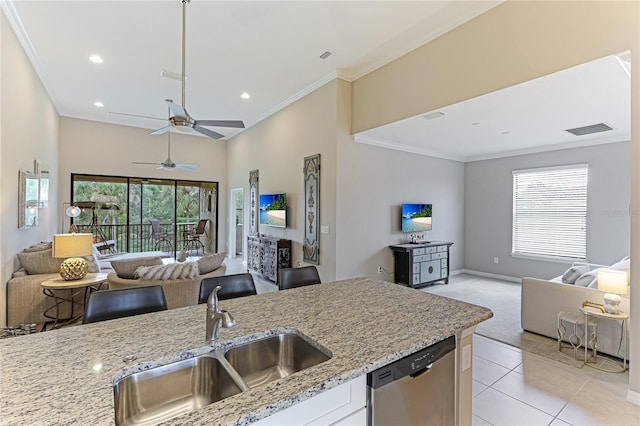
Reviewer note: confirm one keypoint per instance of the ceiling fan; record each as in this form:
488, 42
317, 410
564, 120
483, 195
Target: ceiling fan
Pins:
181, 120
168, 164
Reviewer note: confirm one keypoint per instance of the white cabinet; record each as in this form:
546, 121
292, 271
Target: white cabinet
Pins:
343, 405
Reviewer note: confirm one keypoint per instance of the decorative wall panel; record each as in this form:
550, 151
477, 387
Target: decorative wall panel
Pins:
311, 244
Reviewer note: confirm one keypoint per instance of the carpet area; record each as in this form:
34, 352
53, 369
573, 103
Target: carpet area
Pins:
503, 298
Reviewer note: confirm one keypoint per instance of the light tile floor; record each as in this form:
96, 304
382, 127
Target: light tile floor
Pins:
515, 387
512, 387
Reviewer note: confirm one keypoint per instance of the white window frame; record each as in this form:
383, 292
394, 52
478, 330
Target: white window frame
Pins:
550, 223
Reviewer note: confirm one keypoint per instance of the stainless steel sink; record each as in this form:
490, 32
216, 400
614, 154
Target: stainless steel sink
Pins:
263, 361
162, 393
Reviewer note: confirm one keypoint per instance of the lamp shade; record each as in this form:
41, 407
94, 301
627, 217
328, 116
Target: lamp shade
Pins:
72, 245
612, 281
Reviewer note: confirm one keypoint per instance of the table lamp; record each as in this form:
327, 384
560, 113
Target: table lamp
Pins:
71, 246
613, 283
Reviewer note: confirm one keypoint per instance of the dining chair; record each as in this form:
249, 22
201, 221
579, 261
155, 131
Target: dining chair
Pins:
236, 285
161, 238
297, 277
192, 237
110, 304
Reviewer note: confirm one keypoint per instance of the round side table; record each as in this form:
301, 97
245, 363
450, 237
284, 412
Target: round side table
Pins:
66, 293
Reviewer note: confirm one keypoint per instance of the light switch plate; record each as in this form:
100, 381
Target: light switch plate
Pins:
324, 229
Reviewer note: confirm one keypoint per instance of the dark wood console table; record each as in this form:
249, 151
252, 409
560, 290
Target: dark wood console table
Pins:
417, 265
267, 255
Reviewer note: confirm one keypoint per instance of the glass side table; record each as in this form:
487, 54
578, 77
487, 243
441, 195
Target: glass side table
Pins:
599, 315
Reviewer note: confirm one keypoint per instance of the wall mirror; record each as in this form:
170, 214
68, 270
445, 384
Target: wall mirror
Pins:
28, 192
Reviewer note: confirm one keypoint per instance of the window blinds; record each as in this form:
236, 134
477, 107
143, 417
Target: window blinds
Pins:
550, 211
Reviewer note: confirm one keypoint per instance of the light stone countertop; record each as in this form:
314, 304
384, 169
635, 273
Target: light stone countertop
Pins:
66, 376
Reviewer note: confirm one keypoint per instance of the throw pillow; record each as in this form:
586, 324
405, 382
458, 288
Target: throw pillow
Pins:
38, 247
39, 262
623, 265
127, 268
173, 271
572, 274
94, 265
588, 279
210, 263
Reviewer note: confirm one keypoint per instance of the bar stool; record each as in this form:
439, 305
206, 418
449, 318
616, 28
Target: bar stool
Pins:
578, 337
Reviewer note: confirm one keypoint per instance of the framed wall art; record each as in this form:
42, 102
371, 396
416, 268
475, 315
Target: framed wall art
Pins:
27, 199
311, 244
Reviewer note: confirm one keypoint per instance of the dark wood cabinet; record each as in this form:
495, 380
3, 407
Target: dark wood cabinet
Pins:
266, 256
417, 265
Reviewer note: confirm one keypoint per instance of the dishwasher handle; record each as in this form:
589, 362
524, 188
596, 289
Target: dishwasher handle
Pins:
421, 372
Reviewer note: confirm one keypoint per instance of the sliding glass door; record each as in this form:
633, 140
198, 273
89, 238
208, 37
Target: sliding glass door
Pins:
137, 214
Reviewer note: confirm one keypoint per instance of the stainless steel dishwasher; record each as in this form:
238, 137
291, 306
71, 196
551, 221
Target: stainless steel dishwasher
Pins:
416, 390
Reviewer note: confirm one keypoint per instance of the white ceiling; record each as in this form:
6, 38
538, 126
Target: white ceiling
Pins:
526, 118
269, 49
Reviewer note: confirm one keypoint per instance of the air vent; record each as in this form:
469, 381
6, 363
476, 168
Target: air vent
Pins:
325, 55
587, 130
433, 115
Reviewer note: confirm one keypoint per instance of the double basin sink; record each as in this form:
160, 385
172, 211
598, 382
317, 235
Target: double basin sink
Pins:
162, 393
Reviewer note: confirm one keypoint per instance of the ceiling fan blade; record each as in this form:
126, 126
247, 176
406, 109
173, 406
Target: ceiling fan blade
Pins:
221, 123
177, 109
189, 166
140, 162
137, 115
161, 131
210, 133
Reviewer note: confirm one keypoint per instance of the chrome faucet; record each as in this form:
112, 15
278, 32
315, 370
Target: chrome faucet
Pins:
216, 317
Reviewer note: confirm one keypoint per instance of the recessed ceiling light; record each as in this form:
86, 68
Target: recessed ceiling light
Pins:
245, 95
98, 104
96, 59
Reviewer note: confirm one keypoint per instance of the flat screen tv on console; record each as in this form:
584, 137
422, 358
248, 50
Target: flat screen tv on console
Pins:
273, 210
416, 217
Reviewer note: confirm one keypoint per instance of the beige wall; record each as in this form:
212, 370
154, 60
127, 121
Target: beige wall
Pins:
512, 43
107, 149
277, 147
28, 131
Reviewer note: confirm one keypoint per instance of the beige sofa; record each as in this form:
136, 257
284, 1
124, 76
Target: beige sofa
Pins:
179, 292
542, 300
26, 302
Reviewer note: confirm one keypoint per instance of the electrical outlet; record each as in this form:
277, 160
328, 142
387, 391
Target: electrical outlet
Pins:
379, 269
496, 260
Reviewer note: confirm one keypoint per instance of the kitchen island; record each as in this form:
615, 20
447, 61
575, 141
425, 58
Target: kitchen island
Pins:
66, 376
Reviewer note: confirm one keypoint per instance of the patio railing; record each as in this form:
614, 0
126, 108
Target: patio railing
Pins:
135, 238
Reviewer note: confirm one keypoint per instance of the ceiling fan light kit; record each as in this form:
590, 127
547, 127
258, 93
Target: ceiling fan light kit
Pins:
168, 164
181, 120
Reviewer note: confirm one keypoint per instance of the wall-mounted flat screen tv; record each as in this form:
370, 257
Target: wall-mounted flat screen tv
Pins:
416, 217
273, 210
